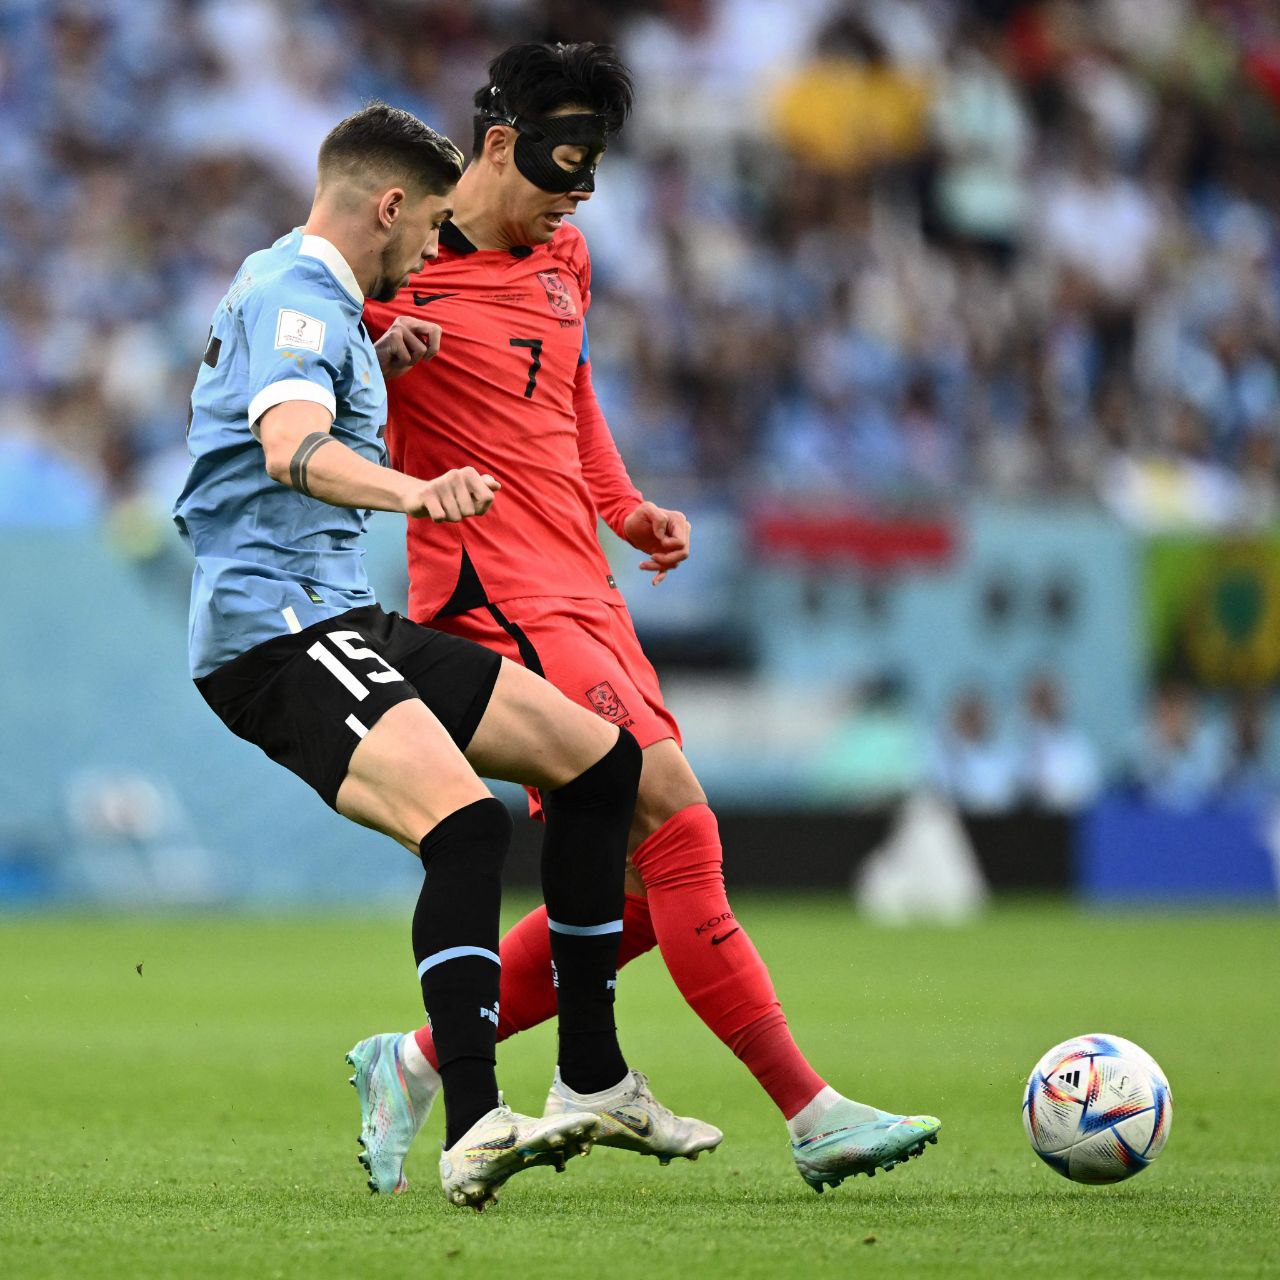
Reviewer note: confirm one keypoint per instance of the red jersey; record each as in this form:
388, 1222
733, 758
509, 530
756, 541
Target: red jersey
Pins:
509, 393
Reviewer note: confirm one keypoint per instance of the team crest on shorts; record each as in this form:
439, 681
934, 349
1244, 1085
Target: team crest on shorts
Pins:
605, 702
558, 294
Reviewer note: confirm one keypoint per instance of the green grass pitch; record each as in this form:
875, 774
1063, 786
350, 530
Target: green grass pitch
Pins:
193, 1119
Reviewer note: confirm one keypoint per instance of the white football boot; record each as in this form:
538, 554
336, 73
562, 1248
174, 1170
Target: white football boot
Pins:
630, 1117
503, 1142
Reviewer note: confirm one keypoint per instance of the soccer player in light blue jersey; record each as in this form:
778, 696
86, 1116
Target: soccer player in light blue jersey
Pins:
391, 722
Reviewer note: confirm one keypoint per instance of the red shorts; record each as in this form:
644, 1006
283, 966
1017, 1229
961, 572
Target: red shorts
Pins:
587, 648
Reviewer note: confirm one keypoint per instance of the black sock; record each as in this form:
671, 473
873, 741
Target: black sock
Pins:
584, 860
455, 942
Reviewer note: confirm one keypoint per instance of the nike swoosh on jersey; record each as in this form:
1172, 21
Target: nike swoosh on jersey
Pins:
421, 299
716, 940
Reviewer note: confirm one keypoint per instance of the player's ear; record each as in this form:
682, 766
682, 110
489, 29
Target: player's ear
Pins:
499, 142
391, 207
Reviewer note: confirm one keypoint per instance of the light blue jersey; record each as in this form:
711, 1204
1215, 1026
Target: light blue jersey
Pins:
270, 560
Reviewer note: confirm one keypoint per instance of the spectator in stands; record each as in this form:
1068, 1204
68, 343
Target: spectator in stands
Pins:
939, 246
874, 754
984, 138
1179, 761
850, 107
972, 763
1250, 774
1061, 768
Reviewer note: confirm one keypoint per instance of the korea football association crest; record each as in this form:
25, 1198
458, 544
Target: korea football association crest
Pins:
558, 294
606, 703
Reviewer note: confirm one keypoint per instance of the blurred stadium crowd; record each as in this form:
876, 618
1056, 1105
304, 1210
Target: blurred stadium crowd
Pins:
891, 249
1183, 757
882, 254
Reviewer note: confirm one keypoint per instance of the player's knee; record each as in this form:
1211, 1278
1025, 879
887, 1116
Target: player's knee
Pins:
479, 833
407, 807
662, 798
612, 781
686, 855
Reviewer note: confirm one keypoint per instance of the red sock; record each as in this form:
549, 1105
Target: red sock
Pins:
527, 995
718, 970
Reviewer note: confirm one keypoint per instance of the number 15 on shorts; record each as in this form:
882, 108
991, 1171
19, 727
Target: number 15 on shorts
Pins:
347, 643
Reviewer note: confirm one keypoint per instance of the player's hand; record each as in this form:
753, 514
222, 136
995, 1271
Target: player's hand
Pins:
454, 496
663, 534
409, 340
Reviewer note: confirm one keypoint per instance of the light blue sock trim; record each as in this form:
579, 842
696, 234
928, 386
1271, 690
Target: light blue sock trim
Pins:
585, 930
456, 953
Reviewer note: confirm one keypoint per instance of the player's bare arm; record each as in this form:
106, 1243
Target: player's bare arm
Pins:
301, 452
408, 342
663, 535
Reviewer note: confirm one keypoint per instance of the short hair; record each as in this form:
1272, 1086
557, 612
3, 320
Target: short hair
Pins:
385, 143
537, 79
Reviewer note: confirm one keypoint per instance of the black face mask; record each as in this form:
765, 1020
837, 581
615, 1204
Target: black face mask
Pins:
538, 139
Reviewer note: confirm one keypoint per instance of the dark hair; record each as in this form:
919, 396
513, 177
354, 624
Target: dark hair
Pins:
392, 144
536, 79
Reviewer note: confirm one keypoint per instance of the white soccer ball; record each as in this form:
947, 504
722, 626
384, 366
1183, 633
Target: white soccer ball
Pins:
1097, 1109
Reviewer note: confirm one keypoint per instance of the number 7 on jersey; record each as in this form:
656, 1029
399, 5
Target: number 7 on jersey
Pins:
535, 362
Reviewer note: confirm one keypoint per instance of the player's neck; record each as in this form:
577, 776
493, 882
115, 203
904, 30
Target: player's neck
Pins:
363, 259
475, 216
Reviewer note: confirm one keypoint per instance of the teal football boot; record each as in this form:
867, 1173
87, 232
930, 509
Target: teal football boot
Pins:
843, 1143
393, 1107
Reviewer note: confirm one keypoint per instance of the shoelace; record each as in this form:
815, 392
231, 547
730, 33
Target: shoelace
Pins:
642, 1093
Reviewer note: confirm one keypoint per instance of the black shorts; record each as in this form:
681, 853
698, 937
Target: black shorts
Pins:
307, 699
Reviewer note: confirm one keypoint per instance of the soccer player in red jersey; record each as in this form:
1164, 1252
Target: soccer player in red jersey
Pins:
510, 393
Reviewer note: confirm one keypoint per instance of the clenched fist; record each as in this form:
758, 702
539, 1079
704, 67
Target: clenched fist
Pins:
409, 340
454, 496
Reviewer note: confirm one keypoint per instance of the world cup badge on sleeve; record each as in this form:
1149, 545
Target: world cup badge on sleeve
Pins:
296, 329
